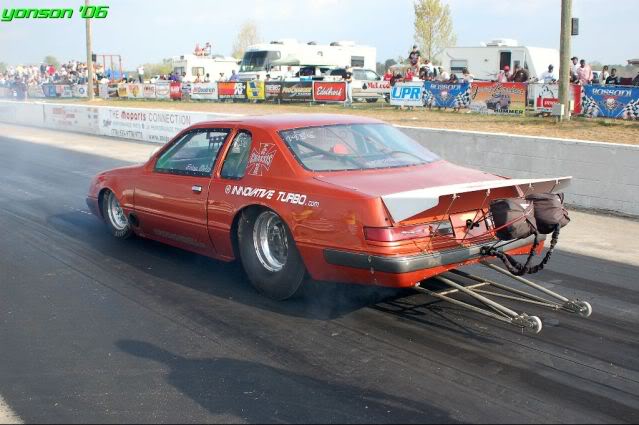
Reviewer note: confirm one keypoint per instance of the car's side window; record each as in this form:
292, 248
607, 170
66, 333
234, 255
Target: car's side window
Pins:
237, 157
358, 74
194, 154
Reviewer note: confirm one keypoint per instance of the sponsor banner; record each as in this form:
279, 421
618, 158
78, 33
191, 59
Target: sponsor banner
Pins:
329, 92
163, 90
544, 96
6, 92
81, 119
444, 95
49, 90
63, 90
498, 98
135, 91
122, 90
231, 90
273, 90
186, 89
611, 102
407, 94
155, 126
34, 92
255, 90
103, 91
149, 91
80, 91
297, 91
175, 89
204, 91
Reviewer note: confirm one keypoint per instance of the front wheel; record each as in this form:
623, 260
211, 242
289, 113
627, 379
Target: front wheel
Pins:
114, 216
269, 255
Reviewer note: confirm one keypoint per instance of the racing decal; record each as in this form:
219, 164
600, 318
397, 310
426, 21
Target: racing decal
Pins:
261, 159
270, 194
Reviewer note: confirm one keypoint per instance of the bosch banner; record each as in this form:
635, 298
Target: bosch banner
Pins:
329, 92
544, 96
204, 91
407, 94
444, 95
255, 90
498, 98
231, 90
611, 102
301, 91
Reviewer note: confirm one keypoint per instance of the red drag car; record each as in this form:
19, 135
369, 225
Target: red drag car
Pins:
333, 198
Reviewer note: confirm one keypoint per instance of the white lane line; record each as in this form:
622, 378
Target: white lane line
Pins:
6, 414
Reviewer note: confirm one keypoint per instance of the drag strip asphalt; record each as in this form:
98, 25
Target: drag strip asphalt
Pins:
98, 330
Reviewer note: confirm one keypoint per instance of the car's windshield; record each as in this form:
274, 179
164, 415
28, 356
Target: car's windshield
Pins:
355, 147
257, 61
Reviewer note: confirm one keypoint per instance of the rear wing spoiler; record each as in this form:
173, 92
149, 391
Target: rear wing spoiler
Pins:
404, 205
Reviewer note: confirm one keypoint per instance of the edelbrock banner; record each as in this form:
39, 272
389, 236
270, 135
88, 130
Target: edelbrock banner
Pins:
611, 102
444, 95
329, 91
407, 94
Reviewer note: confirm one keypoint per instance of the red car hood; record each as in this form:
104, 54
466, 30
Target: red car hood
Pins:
409, 191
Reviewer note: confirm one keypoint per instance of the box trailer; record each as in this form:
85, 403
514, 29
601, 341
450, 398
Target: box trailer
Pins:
200, 65
485, 61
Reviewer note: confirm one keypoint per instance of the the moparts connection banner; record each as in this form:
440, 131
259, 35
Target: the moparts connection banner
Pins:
544, 96
611, 102
297, 91
204, 91
329, 92
407, 94
231, 90
255, 90
498, 98
445, 95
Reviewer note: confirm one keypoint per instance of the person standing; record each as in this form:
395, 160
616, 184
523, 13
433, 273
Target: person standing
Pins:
613, 79
348, 78
389, 75
443, 75
604, 75
467, 76
573, 69
414, 58
584, 73
520, 75
548, 77
141, 73
504, 75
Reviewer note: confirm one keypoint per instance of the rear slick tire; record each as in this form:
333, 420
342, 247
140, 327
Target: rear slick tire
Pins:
114, 217
269, 255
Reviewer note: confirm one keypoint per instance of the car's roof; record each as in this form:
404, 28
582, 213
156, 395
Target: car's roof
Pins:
287, 121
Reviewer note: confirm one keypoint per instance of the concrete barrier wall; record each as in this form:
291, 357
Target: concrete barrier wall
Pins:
606, 176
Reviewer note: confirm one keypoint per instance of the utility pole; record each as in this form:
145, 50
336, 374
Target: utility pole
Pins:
89, 54
564, 56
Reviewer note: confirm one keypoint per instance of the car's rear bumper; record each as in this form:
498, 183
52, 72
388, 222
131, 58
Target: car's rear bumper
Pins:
413, 263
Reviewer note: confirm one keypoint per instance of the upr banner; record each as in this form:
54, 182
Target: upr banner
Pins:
297, 91
611, 102
498, 98
544, 96
255, 90
329, 92
231, 90
444, 95
407, 94
204, 91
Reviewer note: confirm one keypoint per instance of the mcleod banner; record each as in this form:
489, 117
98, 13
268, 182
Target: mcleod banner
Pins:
231, 90
611, 102
444, 95
329, 91
407, 94
498, 98
544, 96
204, 91
255, 90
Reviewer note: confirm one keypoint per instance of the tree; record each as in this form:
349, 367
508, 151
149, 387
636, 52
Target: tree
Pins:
433, 27
389, 63
153, 69
247, 36
51, 60
3, 67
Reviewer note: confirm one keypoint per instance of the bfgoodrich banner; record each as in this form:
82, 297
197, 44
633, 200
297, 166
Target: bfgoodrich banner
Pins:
611, 102
443, 95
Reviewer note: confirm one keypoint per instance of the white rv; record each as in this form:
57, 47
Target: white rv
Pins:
200, 65
275, 58
485, 61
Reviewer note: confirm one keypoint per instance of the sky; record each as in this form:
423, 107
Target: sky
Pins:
145, 31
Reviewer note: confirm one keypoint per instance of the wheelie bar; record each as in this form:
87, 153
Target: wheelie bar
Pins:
495, 310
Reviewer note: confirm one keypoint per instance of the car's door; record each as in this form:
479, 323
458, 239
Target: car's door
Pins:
171, 195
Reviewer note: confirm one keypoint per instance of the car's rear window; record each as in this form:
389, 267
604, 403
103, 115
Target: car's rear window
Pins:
355, 147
